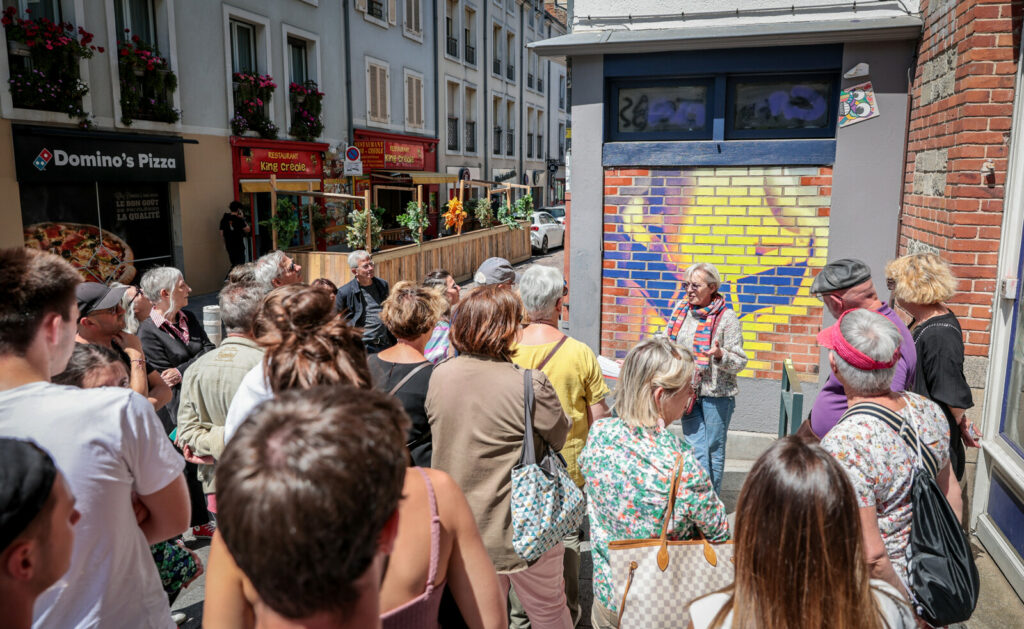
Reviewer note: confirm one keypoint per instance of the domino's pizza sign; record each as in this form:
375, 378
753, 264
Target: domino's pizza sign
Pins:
51, 154
42, 159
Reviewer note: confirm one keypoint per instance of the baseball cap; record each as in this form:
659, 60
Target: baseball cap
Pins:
496, 271
27, 474
93, 296
840, 274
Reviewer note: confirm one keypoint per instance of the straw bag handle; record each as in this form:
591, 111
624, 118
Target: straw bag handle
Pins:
709, 552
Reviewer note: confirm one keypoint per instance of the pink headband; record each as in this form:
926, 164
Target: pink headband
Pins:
832, 338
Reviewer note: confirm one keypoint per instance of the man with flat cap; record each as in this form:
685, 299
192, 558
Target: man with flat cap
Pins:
37, 519
842, 285
495, 271
101, 322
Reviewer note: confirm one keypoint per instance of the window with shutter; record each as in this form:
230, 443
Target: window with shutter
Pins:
418, 93
377, 93
392, 12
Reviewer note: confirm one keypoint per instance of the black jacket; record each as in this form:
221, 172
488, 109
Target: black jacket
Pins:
165, 350
352, 305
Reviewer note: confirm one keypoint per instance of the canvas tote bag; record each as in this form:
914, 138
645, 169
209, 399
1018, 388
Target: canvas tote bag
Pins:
655, 580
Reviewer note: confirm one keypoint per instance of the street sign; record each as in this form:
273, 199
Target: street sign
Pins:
353, 162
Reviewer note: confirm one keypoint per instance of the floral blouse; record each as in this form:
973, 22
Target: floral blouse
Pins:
436, 349
881, 467
628, 473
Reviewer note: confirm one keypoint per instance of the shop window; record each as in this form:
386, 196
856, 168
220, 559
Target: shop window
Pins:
135, 17
378, 105
663, 110
413, 100
243, 47
781, 107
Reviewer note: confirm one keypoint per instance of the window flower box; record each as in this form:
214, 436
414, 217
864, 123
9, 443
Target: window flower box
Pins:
147, 83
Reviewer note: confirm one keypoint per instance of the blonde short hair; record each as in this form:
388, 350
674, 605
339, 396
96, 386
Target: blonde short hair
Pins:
654, 362
708, 270
921, 278
410, 311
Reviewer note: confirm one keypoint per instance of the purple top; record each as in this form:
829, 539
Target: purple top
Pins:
830, 404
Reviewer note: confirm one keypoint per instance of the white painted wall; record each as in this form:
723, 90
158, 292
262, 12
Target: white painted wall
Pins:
658, 14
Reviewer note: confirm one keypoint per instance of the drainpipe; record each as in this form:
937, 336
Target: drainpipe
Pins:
437, 96
485, 28
348, 76
522, 83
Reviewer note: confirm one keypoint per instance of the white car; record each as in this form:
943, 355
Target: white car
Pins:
546, 232
557, 212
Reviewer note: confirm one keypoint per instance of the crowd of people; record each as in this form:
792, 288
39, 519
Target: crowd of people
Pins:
350, 451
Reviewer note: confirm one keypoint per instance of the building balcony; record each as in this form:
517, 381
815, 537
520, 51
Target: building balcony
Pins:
496, 66
375, 8
453, 134
540, 84
510, 72
529, 145
540, 146
497, 140
529, 81
510, 141
561, 102
470, 136
470, 54
453, 47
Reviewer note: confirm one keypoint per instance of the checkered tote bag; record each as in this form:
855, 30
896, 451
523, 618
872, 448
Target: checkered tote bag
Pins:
546, 503
656, 579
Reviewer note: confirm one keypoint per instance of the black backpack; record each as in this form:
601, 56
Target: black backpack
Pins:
943, 579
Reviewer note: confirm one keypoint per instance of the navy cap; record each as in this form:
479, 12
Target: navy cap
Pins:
27, 474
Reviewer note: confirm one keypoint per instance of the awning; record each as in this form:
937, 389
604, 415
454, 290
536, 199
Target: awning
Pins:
424, 177
607, 42
283, 185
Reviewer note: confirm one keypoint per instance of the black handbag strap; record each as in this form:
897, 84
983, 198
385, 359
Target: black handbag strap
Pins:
401, 383
529, 454
902, 428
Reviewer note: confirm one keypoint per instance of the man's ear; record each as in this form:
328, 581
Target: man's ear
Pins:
52, 324
386, 541
19, 562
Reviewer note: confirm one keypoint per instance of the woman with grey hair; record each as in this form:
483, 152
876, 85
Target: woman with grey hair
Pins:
865, 347
704, 323
629, 460
136, 307
173, 339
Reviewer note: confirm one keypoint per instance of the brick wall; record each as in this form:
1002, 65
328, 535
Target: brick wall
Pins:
765, 229
960, 119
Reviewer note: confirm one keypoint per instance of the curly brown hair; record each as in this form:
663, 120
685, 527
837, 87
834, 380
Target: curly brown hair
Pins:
306, 342
411, 311
487, 322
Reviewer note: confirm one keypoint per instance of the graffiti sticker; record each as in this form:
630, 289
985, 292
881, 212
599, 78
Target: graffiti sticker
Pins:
857, 104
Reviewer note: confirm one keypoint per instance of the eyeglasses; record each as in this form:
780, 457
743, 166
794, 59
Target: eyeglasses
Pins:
134, 297
694, 285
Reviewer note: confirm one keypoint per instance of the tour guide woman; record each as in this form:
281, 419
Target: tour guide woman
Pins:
701, 321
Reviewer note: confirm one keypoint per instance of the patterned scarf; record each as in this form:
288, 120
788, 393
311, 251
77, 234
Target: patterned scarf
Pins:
178, 329
706, 317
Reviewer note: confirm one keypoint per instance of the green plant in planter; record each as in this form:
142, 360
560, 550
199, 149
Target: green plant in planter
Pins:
147, 83
306, 101
414, 219
45, 75
356, 236
507, 217
483, 212
523, 208
285, 220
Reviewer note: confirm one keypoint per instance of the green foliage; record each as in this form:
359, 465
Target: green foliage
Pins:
507, 217
252, 96
414, 219
356, 236
483, 212
147, 83
306, 101
523, 207
285, 220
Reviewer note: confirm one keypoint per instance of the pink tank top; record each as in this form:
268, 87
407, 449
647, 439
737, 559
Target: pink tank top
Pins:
421, 612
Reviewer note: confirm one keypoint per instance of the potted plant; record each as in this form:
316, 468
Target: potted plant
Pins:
454, 217
483, 212
355, 237
306, 102
285, 221
147, 83
252, 94
44, 63
415, 219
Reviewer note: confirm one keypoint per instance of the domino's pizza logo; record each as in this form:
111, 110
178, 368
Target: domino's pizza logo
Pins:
42, 159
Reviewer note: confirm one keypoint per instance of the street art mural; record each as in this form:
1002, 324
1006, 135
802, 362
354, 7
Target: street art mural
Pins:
765, 229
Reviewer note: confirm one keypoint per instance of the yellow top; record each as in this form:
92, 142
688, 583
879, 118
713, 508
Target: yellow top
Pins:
577, 379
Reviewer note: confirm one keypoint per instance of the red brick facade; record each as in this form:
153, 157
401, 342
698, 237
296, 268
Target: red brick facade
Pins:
960, 120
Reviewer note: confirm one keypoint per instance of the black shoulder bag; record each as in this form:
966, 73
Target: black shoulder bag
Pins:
943, 579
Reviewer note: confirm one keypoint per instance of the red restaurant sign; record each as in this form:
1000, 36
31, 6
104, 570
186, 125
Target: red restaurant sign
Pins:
390, 155
284, 163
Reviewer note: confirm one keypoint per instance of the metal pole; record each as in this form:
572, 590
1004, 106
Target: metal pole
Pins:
369, 222
419, 204
273, 211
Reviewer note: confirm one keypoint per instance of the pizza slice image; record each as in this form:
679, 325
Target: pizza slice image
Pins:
99, 255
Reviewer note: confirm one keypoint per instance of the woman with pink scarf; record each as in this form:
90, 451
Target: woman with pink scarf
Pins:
704, 323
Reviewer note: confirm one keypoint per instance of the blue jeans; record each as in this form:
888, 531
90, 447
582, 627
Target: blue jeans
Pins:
705, 429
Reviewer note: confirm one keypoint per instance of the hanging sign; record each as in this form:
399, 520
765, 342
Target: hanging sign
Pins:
391, 155
285, 163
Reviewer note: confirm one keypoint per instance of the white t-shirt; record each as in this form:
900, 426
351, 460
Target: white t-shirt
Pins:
108, 442
253, 391
895, 609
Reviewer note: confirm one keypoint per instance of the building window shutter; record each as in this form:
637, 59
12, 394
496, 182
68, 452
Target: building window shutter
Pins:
386, 102
392, 12
361, 5
418, 93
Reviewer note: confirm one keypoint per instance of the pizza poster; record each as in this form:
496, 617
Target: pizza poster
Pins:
110, 232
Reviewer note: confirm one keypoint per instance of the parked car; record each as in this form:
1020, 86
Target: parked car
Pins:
546, 232
557, 212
